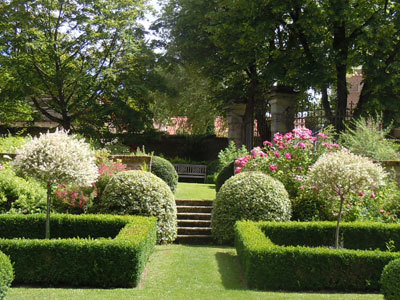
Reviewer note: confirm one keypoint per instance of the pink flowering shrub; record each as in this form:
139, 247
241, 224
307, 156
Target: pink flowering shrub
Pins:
76, 199
288, 158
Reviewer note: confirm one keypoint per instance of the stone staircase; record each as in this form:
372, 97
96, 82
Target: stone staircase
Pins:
194, 221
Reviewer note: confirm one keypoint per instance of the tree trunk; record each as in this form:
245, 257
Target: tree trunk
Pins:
338, 222
326, 105
260, 115
341, 108
363, 100
48, 211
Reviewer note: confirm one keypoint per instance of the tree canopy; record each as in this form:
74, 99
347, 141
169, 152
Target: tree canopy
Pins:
70, 58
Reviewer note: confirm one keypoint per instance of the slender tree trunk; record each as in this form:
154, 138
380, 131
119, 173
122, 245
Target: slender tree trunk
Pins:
338, 222
363, 100
48, 211
341, 97
260, 115
326, 105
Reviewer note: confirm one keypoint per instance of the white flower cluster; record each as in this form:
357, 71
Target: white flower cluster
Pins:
343, 173
57, 158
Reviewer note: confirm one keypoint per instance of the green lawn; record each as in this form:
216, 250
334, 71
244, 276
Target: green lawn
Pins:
184, 272
195, 191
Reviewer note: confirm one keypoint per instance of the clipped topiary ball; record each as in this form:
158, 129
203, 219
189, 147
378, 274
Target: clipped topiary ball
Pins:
248, 196
6, 275
390, 280
226, 173
142, 193
165, 170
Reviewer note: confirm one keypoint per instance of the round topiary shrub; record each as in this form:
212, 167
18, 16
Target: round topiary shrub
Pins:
6, 275
165, 170
142, 193
248, 196
226, 173
390, 280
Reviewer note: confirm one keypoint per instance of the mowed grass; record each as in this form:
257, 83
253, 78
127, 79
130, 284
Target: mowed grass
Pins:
185, 272
195, 191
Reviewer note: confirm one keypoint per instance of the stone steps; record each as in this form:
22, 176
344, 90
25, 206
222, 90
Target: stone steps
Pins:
194, 222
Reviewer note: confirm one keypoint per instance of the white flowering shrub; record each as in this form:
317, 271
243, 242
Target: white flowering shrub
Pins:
248, 196
56, 158
142, 193
340, 176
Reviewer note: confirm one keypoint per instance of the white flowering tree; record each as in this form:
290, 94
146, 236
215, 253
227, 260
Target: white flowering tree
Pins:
339, 175
55, 158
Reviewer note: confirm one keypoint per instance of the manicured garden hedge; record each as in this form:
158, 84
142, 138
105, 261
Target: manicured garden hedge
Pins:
109, 251
269, 265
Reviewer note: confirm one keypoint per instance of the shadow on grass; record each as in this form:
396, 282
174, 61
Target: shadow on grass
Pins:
230, 269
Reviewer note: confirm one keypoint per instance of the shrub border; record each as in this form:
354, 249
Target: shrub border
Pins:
102, 262
268, 266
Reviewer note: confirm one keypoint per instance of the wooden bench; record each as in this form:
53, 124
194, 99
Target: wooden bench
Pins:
191, 171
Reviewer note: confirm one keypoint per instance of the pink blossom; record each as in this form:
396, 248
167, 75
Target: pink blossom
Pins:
335, 214
301, 188
301, 145
361, 194
381, 211
1, 167
373, 186
312, 138
299, 168
314, 188
277, 154
288, 156
373, 195
238, 170
267, 143
322, 135
273, 167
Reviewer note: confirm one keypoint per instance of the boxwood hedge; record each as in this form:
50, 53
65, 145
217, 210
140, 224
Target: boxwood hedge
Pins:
107, 251
294, 256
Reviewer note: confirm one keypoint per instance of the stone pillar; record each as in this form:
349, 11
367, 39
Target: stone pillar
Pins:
283, 106
235, 123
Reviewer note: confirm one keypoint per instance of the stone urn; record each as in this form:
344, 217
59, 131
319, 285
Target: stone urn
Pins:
134, 162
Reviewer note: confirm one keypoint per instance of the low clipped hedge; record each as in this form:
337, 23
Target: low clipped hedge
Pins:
6, 275
272, 262
107, 251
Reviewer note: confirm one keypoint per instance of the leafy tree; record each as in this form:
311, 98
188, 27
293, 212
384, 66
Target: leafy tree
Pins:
190, 94
57, 157
64, 54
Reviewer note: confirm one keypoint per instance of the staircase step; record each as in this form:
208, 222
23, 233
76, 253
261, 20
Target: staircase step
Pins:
187, 202
194, 223
198, 209
194, 239
193, 216
194, 230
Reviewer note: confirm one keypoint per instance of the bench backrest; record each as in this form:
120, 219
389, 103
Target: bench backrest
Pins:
182, 169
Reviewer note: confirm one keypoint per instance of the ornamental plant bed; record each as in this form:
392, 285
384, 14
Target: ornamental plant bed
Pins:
293, 255
87, 250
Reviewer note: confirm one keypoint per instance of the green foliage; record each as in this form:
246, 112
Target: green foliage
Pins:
390, 280
9, 143
101, 262
142, 193
289, 264
6, 275
90, 86
367, 137
19, 195
165, 170
250, 196
224, 175
229, 154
